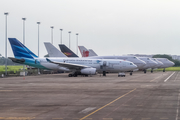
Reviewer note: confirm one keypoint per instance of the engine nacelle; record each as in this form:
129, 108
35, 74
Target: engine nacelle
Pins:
88, 71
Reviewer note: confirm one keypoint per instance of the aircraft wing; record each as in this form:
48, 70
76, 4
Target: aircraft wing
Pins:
68, 65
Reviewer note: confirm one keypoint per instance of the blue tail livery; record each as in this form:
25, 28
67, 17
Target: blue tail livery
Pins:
19, 50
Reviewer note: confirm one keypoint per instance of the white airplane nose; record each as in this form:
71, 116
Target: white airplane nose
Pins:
135, 66
143, 63
173, 64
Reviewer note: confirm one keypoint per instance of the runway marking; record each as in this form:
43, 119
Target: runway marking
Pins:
176, 76
87, 110
169, 77
177, 111
107, 104
164, 118
156, 78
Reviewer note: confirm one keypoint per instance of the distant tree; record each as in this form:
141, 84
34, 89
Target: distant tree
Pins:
163, 56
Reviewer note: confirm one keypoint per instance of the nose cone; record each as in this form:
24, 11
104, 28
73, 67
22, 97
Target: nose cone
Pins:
172, 63
134, 67
140, 64
154, 64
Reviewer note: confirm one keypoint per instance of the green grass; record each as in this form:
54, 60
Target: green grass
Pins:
10, 68
170, 69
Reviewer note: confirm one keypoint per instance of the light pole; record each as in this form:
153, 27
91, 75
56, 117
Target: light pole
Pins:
38, 41
6, 14
52, 34
69, 38
38, 37
24, 38
61, 35
77, 42
24, 30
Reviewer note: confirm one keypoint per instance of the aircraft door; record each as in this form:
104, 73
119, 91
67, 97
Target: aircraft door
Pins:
104, 65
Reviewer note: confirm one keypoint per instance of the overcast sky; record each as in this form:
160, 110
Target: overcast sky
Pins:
109, 27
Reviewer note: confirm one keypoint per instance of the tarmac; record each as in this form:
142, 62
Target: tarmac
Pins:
150, 96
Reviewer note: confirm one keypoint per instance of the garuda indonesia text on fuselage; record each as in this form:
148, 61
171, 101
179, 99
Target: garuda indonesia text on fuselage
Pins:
76, 65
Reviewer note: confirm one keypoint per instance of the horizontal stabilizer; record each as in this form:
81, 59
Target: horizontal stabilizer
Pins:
17, 60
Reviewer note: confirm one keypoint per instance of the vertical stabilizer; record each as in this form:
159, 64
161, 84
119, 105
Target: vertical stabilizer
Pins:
53, 51
19, 50
84, 52
92, 53
67, 51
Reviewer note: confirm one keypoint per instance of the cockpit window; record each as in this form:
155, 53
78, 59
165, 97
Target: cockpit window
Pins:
135, 57
131, 64
148, 59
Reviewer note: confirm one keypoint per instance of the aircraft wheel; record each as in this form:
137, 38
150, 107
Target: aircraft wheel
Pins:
104, 73
164, 70
70, 75
131, 73
151, 71
144, 71
86, 75
75, 75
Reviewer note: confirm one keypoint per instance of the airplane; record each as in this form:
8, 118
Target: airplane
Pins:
166, 63
91, 54
160, 64
75, 65
149, 64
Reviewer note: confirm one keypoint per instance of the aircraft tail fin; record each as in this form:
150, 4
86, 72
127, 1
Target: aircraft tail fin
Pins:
20, 50
53, 51
67, 51
84, 52
92, 53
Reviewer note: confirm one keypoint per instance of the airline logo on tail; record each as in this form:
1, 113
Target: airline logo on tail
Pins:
67, 54
85, 53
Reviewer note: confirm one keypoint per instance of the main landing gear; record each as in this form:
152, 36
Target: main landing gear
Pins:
104, 73
75, 75
164, 70
145, 71
130, 73
151, 70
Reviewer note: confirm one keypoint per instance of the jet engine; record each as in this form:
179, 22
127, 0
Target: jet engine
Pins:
88, 71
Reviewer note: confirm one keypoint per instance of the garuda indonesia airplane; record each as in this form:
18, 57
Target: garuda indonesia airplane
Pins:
75, 65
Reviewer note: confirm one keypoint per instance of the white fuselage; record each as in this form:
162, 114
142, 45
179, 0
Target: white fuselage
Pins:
100, 64
166, 62
149, 63
133, 59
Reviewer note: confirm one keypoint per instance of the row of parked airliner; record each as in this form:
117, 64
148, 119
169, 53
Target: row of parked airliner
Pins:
143, 63
88, 65
76, 66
